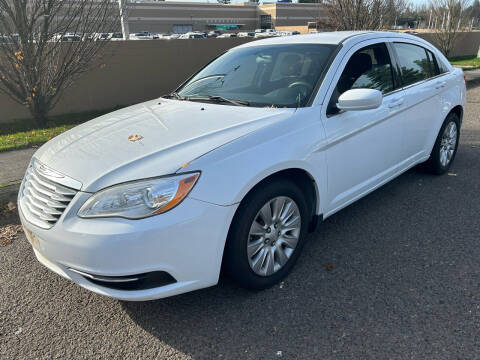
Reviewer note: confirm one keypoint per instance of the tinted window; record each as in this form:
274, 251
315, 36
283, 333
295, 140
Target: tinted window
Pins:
414, 63
272, 75
368, 68
442, 67
434, 69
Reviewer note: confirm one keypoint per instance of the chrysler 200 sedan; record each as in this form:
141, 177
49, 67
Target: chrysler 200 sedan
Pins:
233, 169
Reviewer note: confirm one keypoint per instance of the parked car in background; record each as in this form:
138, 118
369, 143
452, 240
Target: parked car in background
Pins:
265, 33
89, 37
104, 36
170, 36
245, 34
287, 33
214, 33
14, 37
69, 37
5, 38
192, 35
142, 35
227, 35
233, 169
117, 36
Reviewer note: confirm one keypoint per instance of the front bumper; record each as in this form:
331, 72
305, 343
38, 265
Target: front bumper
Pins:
186, 242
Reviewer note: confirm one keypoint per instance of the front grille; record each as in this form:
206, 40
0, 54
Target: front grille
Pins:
42, 199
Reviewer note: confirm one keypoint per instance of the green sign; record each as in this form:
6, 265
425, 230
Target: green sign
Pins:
226, 27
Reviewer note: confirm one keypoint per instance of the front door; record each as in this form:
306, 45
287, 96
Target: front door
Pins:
363, 147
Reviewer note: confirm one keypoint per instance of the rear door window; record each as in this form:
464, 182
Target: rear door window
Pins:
434, 70
414, 63
442, 68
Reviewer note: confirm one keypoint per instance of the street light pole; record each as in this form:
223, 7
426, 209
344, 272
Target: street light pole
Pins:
124, 19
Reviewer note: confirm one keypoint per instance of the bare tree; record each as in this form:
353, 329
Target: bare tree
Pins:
362, 14
475, 13
449, 17
47, 45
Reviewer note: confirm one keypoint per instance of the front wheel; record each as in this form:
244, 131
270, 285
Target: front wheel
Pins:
267, 235
445, 147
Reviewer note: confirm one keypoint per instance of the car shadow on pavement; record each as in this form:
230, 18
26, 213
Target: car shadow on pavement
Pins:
374, 277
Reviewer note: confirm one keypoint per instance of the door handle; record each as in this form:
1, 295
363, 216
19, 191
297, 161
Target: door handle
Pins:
440, 84
396, 103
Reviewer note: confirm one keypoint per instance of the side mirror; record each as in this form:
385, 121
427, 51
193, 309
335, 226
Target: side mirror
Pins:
360, 99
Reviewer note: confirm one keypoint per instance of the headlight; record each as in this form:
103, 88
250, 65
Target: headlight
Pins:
139, 199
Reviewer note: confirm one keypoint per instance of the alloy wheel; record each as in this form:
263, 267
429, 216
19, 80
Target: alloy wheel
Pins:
448, 144
273, 235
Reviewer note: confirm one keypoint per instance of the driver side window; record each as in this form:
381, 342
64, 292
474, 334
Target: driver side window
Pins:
368, 68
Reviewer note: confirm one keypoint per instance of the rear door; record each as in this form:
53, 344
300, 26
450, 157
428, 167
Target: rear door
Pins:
422, 85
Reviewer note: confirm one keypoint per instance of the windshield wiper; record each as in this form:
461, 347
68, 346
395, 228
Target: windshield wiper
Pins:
174, 95
218, 99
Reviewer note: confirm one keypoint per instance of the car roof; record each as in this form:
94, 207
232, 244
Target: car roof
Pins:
333, 38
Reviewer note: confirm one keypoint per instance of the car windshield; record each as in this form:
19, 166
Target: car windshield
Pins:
271, 75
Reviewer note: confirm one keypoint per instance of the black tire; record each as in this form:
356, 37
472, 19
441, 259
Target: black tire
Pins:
433, 164
236, 261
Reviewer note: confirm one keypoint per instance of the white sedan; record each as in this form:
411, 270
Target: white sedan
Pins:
233, 169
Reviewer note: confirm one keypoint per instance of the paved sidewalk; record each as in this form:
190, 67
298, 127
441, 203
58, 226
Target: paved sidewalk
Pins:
12, 168
13, 165
473, 78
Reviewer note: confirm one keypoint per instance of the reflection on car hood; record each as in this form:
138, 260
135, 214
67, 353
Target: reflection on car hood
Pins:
150, 139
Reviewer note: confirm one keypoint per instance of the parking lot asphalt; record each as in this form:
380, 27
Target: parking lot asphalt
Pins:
394, 276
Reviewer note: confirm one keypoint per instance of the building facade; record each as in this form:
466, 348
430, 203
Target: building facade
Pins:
181, 17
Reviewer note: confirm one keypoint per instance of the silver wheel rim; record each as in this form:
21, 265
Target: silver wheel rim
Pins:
273, 236
448, 143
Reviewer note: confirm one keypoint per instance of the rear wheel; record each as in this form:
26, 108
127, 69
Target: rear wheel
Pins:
267, 235
445, 147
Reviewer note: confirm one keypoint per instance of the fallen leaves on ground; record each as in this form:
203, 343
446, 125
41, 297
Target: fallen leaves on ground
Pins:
9, 233
7, 210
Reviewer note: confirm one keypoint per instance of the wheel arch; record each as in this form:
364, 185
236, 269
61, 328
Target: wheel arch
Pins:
303, 179
458, 110
299, 176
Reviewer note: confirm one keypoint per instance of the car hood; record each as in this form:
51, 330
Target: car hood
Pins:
150, 139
